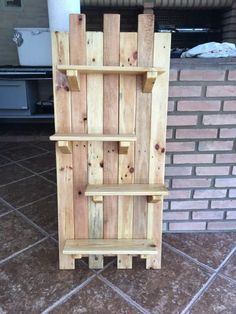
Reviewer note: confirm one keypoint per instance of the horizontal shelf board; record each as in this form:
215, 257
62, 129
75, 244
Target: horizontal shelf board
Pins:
110, 247
126, 189
94, 137
109, 69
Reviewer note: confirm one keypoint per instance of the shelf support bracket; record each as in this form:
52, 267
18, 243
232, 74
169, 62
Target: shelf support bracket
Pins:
97, 199
73, 80
124, 147
153, 199
65, 147
149, 79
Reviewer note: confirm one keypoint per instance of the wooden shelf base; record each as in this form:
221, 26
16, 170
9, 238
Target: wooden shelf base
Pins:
78, 248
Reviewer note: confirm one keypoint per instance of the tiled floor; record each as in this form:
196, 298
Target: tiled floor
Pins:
198, 273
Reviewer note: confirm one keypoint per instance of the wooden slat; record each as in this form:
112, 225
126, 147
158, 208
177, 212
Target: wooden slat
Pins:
94, 137
60, 48
110, 247
77, 37
95, 149
111, 28
125, 189
158, 141
124, 70
65, 147
143, 116
128, 57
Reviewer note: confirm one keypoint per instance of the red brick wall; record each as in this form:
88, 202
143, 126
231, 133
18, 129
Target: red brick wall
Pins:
201, 154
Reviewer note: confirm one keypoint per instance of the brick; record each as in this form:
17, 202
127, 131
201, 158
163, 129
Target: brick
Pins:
185, 91
169, 133
165, 205
193, 158
231, 214
225, 158
222, 225
219, 119
232, 75
189, 204
210, 193
215, 145
221, 91
196, 133
171, 106
178, 194
177, 120
178, 171
180, 146
201, 215
191, 183
234, 170
199, 105
187, 226
164, 226
226, 182
176, 215
232, 193
212, 171
202, 75
168, 160
228, 133
230, 105
173, 75
223, 204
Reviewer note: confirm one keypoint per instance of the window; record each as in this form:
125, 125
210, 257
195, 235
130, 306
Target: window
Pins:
13, 3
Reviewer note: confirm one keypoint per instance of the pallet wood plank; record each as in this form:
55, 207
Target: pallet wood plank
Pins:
94, 137
143, 116
158, 141
111, 28
110, 247
128, 57
60, 48
95, 149
77, 39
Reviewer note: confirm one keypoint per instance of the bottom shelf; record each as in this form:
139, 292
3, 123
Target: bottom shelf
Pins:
109, 247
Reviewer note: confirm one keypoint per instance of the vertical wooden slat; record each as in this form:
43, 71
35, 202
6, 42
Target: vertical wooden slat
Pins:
128, 57
158, 141
143, 108
111, 40
62, 108
77, 38
95, 149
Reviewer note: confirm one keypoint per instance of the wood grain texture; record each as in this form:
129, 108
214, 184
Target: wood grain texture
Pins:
158, 141
111, 28
94, 137
128, 57
77, 38
95, 149
60, 48
143, 116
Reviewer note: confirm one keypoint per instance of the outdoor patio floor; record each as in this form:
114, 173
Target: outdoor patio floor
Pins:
198, 272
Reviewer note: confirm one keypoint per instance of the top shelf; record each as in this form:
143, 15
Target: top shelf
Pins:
72, 72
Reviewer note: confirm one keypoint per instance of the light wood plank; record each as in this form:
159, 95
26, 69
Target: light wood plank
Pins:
94, 137
73, 79
77, 37
158, 139
109, 247
65, 147
143, 116
128, 57
126, 189
124, 70
95, 149
60, 48
111, 28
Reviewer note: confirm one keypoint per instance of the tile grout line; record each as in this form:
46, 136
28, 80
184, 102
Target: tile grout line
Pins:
65, 297
23, 159
123, 295
209, 281
41, 199
6, 213
16, 181
22, 251
227, 278
206, 267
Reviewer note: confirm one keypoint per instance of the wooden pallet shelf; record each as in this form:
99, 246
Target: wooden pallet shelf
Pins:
73, 71
109, 247
64, 140
154, 192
